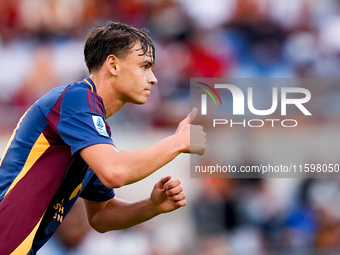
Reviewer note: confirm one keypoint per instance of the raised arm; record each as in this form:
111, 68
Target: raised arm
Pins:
117, 168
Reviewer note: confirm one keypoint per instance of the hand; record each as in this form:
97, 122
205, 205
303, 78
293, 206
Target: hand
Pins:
167, 195
192, 135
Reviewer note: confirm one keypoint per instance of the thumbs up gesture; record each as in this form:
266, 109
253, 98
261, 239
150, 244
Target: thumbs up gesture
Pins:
193, 136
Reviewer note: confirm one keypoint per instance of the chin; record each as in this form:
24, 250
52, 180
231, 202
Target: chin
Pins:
139, 102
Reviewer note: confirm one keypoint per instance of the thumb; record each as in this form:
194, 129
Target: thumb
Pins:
191, 116
160, 184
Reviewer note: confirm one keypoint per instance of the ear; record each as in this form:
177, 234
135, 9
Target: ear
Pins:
111, 64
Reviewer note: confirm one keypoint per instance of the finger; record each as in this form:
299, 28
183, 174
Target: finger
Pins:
161, 183
180, 203
178, 197
174, 191
172, 184
191, 116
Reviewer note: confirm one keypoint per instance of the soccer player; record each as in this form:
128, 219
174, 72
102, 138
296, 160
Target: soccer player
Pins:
62, 149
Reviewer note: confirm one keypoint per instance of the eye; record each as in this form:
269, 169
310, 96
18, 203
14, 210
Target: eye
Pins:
144, 67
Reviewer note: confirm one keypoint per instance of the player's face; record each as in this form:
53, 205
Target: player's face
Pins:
135, 77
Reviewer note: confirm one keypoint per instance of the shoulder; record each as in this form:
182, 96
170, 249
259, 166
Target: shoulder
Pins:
80, 96
76, 91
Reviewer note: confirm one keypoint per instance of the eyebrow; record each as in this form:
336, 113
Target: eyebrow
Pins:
148, 63
147, 54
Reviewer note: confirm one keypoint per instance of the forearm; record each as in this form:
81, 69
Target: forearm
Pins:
166, 196
137, 164
116, 169
119, 214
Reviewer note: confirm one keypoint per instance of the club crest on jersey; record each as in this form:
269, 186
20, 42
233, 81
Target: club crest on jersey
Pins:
100, 125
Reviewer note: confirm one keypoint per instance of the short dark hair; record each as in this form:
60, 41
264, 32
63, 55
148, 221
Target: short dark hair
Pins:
116, 39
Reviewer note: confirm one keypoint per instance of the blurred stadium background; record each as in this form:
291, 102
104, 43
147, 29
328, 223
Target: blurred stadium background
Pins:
41, 46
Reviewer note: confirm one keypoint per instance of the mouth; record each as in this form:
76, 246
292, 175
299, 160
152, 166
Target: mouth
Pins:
148, 91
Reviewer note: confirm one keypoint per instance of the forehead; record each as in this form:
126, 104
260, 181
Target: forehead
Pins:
138, 53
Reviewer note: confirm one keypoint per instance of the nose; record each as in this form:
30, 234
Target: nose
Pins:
152, 78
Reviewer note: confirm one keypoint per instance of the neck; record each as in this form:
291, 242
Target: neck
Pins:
104, 86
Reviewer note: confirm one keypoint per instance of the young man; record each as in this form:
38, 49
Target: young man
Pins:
61, 148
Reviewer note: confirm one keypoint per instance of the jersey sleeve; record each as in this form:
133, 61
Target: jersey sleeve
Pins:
96, 191
82, 119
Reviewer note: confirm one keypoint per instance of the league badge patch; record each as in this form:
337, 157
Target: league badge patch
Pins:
100, 125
